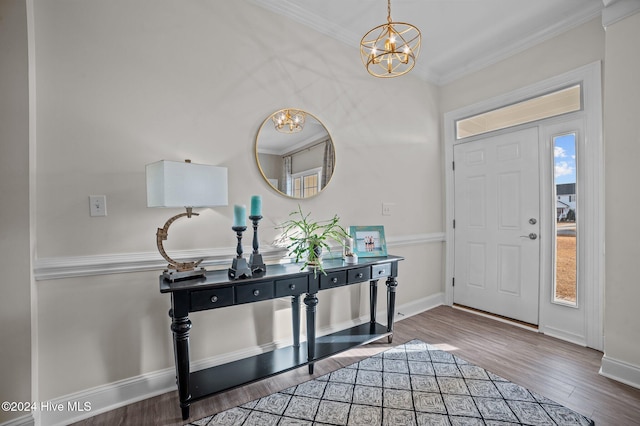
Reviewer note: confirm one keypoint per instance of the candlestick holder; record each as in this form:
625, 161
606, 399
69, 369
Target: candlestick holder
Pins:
239, 268
255, 260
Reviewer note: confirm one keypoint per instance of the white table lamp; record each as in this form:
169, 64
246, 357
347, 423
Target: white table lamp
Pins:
186, 185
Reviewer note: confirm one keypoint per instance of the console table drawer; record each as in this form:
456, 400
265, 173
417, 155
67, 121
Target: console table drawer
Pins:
254, 292
211, 299
379, 271
333, 279
292, 287
359, 275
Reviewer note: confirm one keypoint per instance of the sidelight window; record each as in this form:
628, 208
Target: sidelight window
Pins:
566, 212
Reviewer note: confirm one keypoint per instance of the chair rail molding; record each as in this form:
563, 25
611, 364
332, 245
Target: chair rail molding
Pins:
53, 268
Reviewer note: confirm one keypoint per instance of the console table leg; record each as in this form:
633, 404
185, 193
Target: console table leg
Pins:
392, 283
295, 317
311, 301
180, 327
373, 299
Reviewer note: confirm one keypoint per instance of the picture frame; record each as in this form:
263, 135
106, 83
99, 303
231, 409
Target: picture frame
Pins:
368, 241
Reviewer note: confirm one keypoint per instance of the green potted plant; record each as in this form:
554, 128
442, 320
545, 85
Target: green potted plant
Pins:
306, 238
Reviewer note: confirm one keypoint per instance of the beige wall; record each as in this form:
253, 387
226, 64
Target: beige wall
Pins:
121, 84
622, 149
566, 52
15, 264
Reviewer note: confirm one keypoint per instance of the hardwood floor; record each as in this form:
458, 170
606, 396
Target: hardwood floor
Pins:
556, 369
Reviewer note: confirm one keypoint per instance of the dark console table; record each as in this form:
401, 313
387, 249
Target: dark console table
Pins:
216, 290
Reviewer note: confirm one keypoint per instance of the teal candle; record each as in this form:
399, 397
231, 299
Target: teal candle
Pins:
256, 205
239, 215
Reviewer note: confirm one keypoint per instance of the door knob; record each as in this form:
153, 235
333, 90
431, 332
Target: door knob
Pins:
531, 236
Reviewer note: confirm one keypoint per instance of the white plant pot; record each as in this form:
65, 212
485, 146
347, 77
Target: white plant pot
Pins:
350, 260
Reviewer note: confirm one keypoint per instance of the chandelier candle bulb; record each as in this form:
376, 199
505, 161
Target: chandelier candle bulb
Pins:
256, 205
239, 215
400, 43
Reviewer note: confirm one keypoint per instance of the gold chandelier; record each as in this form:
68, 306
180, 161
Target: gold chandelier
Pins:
391, 49
288, 120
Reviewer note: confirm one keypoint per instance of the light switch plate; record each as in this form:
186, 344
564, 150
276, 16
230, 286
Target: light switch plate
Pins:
387, 209
97, 205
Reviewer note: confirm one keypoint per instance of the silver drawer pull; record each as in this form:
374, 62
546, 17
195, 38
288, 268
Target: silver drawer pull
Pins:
334, 280
214, 299
292, 286
359, 275
256, 292
382, 271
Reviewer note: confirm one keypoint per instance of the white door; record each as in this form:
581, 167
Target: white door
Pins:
497, 244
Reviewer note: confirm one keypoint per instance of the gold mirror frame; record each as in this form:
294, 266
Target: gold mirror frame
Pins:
298, 164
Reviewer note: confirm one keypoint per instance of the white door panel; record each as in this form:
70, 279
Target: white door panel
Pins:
496, 194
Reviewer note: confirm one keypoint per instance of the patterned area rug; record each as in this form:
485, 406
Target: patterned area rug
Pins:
411, 384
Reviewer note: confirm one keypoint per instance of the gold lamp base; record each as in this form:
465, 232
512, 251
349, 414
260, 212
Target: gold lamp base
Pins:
175, 275
178, 270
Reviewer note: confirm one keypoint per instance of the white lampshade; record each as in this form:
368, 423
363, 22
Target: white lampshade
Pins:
184, 184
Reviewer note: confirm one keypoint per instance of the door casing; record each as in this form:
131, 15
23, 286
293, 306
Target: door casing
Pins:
591, 246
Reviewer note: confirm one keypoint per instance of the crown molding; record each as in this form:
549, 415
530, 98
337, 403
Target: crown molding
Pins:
297, 13
492, 56
489, 56
617, 10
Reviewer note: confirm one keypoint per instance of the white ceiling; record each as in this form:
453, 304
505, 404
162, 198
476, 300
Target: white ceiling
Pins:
458, 36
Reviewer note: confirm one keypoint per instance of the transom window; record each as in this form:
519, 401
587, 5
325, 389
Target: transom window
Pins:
552, 104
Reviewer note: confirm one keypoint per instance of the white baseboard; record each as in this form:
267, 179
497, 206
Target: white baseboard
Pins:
620, 371
418, 306
20, 421
124, 392
564, 335
108, 397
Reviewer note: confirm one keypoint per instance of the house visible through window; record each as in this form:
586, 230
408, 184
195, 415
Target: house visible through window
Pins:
565, 167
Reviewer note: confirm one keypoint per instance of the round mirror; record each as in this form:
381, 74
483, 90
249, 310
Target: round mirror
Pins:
295, 153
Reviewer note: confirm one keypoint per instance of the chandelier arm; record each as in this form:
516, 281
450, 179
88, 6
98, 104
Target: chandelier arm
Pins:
289, 120
392, 49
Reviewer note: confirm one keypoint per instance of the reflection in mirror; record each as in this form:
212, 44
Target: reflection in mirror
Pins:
297, 164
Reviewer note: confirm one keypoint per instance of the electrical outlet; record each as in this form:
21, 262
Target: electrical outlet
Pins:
387, 209
97, 205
